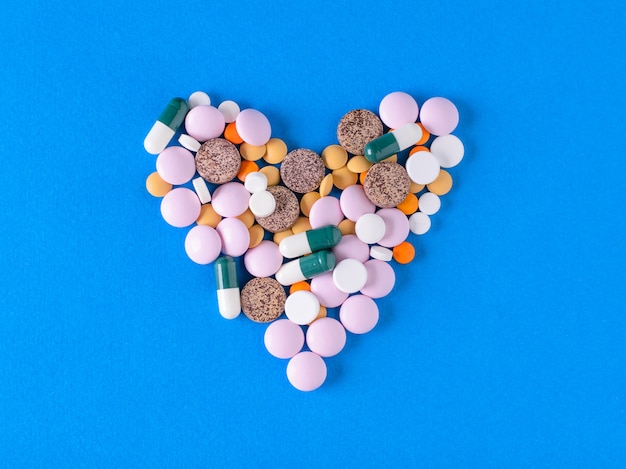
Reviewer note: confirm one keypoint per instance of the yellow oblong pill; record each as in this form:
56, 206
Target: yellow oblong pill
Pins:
326, 185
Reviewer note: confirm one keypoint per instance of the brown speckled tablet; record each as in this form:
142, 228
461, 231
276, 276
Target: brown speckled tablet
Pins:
263, 299
286, 213
387, 184
218, 161
358, 128
302, 170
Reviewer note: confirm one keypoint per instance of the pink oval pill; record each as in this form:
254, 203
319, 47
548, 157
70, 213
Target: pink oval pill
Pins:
359, 314
380, 279
180, 207
253, 127
397, 109
176, 165
323, 287
351, 247
355, 203
230, 199
234, 235
203, 244
396, 227
326, 337
264, 259
204, 123
283, 338
306, 371
439, 116
325, 211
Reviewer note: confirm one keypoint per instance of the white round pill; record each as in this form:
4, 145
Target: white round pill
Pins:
202, 190
429, 203
381, 253
422, 167
189, 142
350, 275
302, 307
419, 223
262, 204
448, 149
370, 228
255, 182
230, 110
199, 98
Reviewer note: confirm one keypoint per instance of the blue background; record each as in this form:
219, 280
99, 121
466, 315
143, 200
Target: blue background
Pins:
503, 344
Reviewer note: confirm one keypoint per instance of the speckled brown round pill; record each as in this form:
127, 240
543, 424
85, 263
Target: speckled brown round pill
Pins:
357, 128
387, 184
218, 161
263, 299
302, 170
286, 213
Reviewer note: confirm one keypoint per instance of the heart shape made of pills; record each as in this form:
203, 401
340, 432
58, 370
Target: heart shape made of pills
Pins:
316, 236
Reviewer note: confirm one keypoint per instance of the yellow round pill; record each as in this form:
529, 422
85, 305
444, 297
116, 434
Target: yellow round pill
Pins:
275, 151
251, 152
156, 186
272, 173
247, 218
278, 237
442, 184
208, 216
343, 177
326, 185
334, 157
322, 314
302, 224
307, 202
347, 227
256, 235
358, 164
415, 188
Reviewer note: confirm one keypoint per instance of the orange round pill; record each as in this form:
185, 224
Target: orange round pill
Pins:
418, 148
156, 186
409, 205
425, 135
299, 286
246, 168
362, 177
230, 134
403, 253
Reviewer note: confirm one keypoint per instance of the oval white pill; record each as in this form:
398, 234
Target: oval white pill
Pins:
255, 182
199, 98
429, 203
370, 228
350, 276
381, 253
230, 110
189, 143
202, 190
302, 307
422, 167
262, 204
448, 149
419, 223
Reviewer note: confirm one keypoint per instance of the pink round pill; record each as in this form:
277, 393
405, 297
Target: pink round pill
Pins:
355, 203
439, 116
283, 338
253, 127
359, 314
380, 279
397, 109
325, 211
306, 371
396, 227
264, 259
230, 199
326, 337
234, 235
203, 244
204, 123
180, 207
351, 247
323, 286
176, 165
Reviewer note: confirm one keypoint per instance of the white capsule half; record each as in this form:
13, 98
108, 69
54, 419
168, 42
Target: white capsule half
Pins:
229, 302
158, 138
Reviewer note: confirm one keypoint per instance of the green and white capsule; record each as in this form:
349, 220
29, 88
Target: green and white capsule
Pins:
166, 126
309, 241
392, 142
306, 267
228, 294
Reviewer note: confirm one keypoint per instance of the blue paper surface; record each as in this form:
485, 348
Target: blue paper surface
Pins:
503, 343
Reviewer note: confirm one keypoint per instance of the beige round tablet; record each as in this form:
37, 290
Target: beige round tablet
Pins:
251, 152
334, 156
263, 299
218, 161
156, 186
208, 216
302, 170
442, 184
302, 224
247, 218
278, 237
386, 184
347, 227
275, 151
343, 178
286, 212
256, 235
326, 185
357, 128
359, 164
307, 202
272, 173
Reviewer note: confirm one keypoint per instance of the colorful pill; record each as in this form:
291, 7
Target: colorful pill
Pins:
228, 295
166, 126
392, 142
310, 241
306, 267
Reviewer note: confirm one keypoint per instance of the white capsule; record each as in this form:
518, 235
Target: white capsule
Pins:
166, 126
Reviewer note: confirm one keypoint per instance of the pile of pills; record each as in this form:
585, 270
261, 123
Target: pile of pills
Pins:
318, 234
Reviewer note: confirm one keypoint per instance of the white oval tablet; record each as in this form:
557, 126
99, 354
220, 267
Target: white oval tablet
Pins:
189, 142
302, 307
429, 203
448, 149
370, 228
199, 98
350, 276
381, 253
419, 223
262, 204
204, 194
255, 182
230, 110
422, 167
